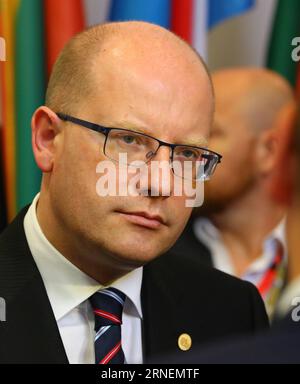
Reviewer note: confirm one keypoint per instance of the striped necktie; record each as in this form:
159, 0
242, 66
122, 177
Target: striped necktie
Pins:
108, 306
273, 280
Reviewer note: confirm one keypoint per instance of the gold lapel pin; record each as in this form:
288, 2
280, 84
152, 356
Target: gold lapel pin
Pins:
184, 342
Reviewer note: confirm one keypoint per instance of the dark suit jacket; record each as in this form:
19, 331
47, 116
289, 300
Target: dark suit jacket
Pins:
177, 297
278, 346
189, 246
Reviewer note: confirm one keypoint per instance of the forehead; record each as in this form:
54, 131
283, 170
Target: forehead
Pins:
172, 103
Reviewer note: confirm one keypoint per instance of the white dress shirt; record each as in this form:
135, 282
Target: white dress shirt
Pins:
210, 236
68, 290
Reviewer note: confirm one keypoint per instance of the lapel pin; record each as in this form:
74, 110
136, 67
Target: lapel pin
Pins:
184, 342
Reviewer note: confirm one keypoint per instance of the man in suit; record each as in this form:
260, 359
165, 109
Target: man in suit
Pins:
239, 230
80, 272
281, 344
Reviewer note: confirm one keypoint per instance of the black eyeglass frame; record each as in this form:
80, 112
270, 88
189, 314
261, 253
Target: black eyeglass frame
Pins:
106, 130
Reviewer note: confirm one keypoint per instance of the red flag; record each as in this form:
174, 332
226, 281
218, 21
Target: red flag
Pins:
182, 19
63, 19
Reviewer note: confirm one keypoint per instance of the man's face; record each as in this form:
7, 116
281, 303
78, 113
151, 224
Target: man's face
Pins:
173, 106
234, 139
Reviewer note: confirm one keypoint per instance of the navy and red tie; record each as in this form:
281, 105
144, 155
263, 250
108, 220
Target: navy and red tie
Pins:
108, 306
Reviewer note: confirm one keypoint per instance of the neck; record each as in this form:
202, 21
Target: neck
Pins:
83, 254
244, 226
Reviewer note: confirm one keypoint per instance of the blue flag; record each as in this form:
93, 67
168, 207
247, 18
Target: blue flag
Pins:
220, 10
153, 11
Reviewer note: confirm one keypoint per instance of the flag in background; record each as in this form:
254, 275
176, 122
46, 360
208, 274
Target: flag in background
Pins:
286, 27
8, 11
190, 19
42, 27
29, 93
34, 31
154, 11
22, 90
63, 19
220, 10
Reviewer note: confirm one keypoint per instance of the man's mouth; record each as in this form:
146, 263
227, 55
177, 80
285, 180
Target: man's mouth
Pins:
143, 219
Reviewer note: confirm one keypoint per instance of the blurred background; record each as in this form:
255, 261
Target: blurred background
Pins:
228, 33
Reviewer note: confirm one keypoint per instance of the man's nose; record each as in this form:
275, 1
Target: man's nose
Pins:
160, 176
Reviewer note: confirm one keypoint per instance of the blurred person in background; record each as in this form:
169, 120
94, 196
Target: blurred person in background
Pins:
281, 344
240, 230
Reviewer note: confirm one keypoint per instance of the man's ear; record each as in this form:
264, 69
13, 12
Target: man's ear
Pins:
44, 126
266, 151
282, 180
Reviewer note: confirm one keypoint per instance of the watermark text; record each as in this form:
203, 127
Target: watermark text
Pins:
296, 50
296, 310
158, 178
2, 310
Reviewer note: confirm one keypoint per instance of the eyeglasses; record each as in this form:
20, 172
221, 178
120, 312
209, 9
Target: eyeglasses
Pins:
198, 163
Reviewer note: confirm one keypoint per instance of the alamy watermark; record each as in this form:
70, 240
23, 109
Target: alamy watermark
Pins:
2, 310
157, 178
2, 49
296, 50
296, 310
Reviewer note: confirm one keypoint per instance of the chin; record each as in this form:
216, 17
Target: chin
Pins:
134, 255
140, 256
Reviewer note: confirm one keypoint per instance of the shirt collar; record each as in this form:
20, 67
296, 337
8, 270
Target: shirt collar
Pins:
279, 233
66, 285
270, 246
206, 232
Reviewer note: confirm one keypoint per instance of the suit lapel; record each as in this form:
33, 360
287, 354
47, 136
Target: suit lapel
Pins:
30, 333
33, 335
188, 246
163, 320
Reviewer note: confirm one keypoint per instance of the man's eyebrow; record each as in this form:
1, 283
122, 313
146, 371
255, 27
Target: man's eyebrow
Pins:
198, 142
131, 127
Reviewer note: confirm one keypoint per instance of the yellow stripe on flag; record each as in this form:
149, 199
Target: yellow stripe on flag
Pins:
8, 12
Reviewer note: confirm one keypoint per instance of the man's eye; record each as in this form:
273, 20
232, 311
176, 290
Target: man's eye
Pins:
189, 154
128, 139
